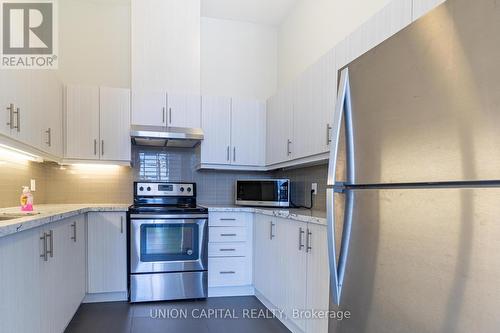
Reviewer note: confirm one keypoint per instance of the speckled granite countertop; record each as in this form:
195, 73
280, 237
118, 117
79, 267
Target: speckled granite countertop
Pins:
303, 215
45, 214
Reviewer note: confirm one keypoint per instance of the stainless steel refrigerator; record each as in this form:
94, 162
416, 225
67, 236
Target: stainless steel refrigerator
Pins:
414, 179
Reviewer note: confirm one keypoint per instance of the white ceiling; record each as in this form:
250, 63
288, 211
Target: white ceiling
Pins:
270, 12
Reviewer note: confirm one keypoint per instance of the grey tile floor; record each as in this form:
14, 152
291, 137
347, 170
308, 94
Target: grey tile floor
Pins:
118, 317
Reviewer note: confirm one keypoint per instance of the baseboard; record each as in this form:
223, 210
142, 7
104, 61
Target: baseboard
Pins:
106, 297
230, 291
287, 322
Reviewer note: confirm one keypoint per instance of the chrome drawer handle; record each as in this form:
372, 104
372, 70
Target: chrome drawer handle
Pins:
227, 250
228, 235
227, 219
227, 272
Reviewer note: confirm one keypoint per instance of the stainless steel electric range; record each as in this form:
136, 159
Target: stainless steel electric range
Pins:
168, 243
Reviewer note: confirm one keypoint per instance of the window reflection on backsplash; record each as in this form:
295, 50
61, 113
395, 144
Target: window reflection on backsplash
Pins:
179, 164
217, 187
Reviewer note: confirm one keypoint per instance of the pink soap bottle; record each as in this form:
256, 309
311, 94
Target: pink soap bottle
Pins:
26, 200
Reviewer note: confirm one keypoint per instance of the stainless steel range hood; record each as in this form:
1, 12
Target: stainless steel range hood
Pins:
158, 136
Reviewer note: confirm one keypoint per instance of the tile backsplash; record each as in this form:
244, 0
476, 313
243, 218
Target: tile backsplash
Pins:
113, 184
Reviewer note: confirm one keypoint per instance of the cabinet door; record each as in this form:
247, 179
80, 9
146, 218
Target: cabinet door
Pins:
107, 252
263, 255
82, 122
248, 132
278, 127
75, 263
20, 288
47, 103
149, 107
115, 124
318, 277
293, 250
16, 89
184, 110
216, 124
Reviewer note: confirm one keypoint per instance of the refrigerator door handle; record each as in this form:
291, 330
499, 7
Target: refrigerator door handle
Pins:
342, 110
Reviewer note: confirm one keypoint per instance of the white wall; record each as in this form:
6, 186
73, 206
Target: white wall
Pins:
94, 42
315, 26
238, 59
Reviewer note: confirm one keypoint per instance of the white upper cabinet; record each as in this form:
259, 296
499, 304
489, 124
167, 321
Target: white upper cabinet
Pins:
184, 110
149, 107
234, 132
216, 123
279, 127
19, 120
248, 132
82, 122
47, 102
166, 61
97, 123
115, 124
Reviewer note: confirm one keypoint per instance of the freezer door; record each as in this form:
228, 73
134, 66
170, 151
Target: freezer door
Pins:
423, 261
426, 102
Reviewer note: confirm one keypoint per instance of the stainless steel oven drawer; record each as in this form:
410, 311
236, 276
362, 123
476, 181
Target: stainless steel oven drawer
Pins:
168, 286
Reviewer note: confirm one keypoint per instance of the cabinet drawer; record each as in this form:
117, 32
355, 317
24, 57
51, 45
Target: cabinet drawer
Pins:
227, 249
229, 219
225, 272
227, 234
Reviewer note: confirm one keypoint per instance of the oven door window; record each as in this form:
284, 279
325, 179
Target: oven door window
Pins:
169, 242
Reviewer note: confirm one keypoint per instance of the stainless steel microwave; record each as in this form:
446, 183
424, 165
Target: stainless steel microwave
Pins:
265, 192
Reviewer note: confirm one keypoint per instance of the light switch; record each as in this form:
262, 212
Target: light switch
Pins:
33, 185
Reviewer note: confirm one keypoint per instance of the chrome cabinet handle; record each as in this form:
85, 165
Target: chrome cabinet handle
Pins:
10, 108
121, 224
328, 129
44, 251
234, 154
170, 115
227, 272
95, 146
228, 219
308, 241
49, 137
301, 233
51, 236
228, 158
228, 235
102, 147
227, 250
271, 235
288, 143
73, 225
18, 114
163, 113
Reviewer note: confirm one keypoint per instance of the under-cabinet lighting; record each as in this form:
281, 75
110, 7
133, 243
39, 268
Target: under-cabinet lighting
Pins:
13, 154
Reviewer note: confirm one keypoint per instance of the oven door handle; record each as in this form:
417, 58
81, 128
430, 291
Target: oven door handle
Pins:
167, 216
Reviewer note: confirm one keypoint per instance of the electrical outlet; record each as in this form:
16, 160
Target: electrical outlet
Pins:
33, 185
314, 188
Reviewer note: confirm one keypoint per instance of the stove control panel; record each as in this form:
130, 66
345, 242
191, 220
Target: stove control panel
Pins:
165, 189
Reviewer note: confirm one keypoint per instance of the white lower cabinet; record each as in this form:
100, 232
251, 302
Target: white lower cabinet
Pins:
291, 270
41, 272
230, 254
106, 252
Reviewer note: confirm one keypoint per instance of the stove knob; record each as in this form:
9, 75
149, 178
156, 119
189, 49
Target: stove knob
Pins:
141, 188
182, 189
189, 189
149, 188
